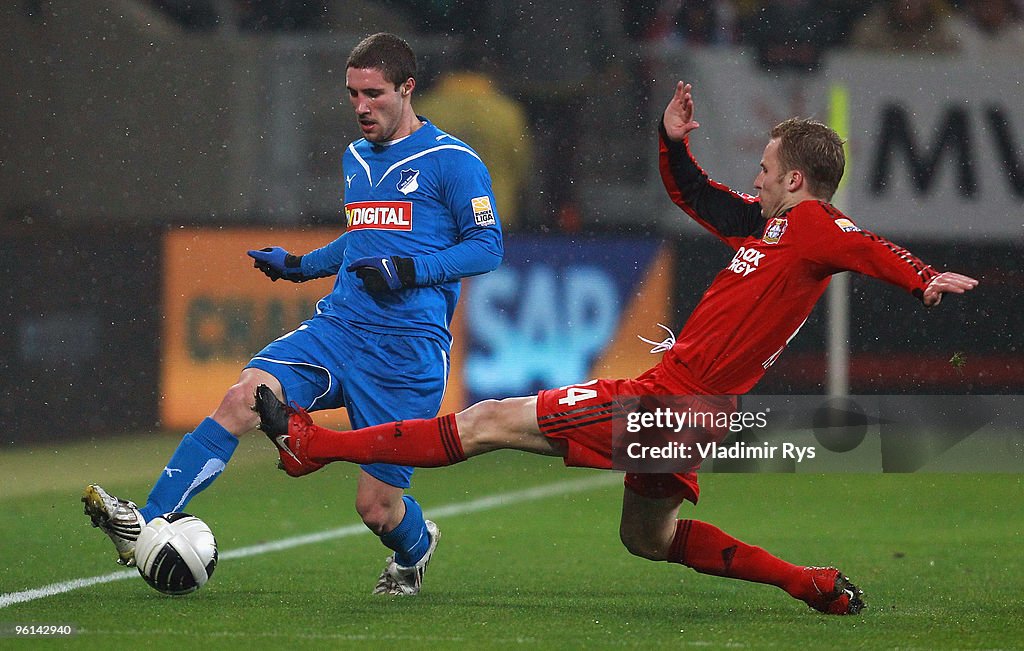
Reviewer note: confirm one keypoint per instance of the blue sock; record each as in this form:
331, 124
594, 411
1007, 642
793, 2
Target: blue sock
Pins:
409, 539
200, 457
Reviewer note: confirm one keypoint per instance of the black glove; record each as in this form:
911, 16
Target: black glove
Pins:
278, 263
381, 275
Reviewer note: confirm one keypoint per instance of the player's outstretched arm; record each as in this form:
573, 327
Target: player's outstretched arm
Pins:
678, 116
946, 283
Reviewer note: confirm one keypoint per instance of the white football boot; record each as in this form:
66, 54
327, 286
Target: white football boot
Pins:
399, 580
119, 519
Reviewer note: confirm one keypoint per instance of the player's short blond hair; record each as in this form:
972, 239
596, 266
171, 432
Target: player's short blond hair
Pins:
814, 149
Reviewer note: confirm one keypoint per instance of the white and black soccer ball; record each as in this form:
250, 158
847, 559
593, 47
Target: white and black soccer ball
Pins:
176, 553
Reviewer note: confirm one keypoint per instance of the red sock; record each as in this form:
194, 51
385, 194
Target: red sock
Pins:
426, 443
709, 550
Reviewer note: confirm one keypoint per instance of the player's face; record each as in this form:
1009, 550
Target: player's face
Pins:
379, 106
770, 182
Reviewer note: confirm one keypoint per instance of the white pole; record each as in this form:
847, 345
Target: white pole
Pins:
838, 301
838, 338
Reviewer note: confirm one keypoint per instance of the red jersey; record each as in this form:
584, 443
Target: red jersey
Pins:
782, 266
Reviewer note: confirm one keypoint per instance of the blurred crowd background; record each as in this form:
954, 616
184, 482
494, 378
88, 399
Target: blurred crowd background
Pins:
528, 83
552, 61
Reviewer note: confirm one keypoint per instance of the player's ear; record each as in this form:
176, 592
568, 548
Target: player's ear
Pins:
407, 86
795, 180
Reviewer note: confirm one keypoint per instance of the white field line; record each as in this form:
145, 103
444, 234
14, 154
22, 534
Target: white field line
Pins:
459, 508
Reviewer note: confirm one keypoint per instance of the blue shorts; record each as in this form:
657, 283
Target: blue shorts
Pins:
326, 363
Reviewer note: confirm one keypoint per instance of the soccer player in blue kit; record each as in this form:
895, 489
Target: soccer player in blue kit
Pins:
420, 216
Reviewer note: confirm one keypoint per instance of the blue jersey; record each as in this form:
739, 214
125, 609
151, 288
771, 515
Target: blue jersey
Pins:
427, 197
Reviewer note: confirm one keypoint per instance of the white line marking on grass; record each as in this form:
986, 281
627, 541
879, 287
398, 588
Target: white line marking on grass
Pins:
459, 508
12, 598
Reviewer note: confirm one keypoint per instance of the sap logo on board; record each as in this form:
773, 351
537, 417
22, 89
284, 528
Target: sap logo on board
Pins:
537, 326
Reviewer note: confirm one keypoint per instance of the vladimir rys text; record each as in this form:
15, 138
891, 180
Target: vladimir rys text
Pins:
712, 450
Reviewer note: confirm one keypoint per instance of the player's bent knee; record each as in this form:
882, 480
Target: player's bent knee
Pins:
375, 519
235, 412
378, 516
639, 544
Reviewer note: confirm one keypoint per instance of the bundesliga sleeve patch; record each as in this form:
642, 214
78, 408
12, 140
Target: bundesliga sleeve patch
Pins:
847, 226
482, 212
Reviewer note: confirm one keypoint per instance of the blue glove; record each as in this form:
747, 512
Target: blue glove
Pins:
381, 275
278, 263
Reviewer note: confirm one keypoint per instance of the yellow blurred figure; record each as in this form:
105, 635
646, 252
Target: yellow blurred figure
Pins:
469, 105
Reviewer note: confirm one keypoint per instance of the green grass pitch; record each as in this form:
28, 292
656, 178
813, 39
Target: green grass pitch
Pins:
938, 555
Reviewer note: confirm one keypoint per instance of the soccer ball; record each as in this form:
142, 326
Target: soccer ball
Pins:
176, 553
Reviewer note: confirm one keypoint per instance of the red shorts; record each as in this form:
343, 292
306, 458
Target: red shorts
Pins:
581, 415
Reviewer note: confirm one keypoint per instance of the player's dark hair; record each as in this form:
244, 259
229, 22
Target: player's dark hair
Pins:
385, 52
814, 149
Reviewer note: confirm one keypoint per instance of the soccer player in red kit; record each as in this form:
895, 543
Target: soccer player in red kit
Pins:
788, 241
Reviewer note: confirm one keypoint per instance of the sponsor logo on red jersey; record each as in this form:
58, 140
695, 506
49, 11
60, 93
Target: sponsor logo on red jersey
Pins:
381, 215
746, 261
